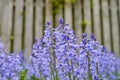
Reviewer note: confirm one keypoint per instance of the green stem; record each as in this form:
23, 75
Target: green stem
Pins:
69, 76
97, 68
89, 72
51, 71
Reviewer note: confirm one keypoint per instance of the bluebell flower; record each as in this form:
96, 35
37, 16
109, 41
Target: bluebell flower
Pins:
61, 21
60, 55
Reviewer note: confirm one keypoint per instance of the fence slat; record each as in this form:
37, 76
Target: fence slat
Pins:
48, 12
68, 14
97, 29
105, 16
18, 25
39, 15
0, 16
78, 18
119, 5
28, 27
6, 25
115, 26
106, 25
119, 23
59, 15
87, 16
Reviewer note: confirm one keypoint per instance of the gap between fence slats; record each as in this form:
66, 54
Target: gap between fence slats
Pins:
33, 21
92, 15
23, 27
110, 22
101, 22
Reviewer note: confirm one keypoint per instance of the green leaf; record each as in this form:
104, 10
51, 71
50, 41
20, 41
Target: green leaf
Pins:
84, 23
11, 37
91, 3
23, 75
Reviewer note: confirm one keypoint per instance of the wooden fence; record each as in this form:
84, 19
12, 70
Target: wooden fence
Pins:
23, 20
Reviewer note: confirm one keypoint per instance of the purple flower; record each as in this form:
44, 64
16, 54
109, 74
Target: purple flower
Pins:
60, 55
61, 21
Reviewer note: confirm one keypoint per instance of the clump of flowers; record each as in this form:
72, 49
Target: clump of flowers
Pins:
59, 55
10, 65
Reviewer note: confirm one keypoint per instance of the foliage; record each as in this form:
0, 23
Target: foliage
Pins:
84, 23
23, 75
57, 4
11, 37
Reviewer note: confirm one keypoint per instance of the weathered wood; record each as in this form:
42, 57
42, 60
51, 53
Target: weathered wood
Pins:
119, 5
6, 24
9, 19
115, 27
68, 14
106, 24
78, 18
0, 16
18, 25
48, 12
39, 21
119, 24
96, 16
28, 27
87, 16
59, 15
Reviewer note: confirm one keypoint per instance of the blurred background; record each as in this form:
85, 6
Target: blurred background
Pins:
23, 20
